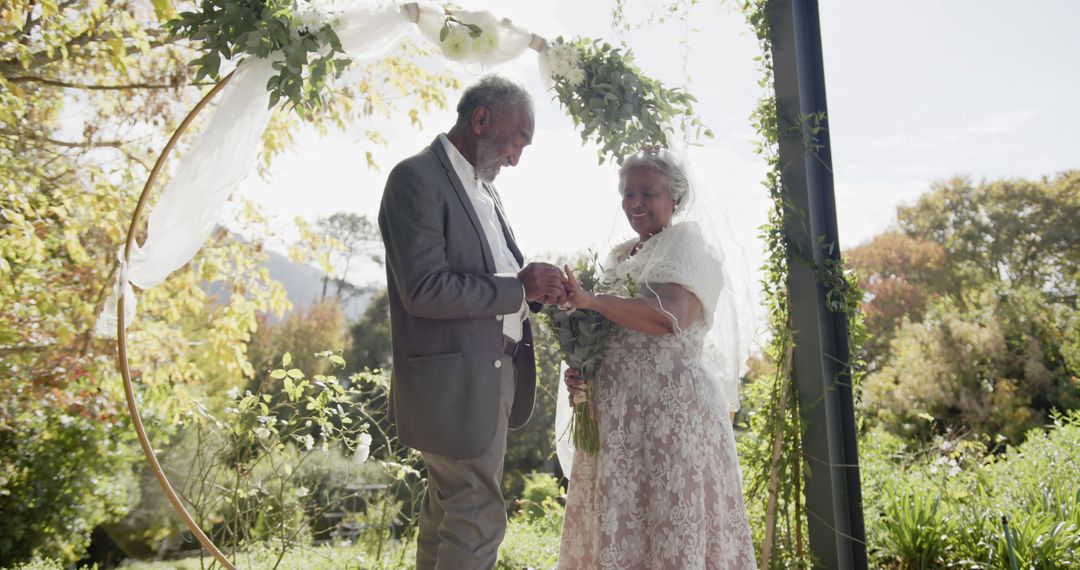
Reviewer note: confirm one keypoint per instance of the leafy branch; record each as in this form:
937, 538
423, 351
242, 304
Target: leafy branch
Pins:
613, 102
301, 43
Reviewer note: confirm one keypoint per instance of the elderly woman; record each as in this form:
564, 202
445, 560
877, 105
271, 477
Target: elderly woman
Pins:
664, 490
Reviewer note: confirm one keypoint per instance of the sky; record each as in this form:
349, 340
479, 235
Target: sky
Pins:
918, 92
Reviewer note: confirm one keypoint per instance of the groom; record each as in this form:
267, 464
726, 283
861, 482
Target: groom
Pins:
464, 370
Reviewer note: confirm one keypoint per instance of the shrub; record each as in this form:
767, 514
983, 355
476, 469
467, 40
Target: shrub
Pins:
943, 504
62, 474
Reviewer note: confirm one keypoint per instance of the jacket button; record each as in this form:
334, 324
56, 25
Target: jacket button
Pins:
498, 364
498, 317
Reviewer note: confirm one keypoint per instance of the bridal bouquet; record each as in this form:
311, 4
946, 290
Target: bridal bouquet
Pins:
581, 336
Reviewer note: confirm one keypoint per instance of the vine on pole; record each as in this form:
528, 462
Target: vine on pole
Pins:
777, 474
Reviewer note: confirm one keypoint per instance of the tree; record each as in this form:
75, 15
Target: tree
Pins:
1020, 231
972, 309
998, 368
901, 275
89, 92
345, 236
371, 336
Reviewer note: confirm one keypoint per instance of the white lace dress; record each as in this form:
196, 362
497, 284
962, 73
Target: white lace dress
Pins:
664, 492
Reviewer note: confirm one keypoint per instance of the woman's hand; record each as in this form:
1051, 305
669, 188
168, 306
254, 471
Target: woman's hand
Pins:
576, 296
575, 384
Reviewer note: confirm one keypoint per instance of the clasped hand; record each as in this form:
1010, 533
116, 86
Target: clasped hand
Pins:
545, 283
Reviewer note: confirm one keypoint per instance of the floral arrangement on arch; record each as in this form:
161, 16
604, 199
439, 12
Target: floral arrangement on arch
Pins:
612, 101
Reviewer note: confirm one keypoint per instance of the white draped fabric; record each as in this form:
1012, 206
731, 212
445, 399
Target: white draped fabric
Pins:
223, 154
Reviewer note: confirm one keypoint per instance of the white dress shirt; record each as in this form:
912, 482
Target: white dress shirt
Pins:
483, 202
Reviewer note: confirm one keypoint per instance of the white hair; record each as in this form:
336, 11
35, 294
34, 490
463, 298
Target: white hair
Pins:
666, 163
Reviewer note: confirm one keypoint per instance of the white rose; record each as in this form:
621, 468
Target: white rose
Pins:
457, 44
486, 42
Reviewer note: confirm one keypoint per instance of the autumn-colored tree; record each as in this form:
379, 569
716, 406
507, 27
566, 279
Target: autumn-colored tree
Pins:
900, 275
972, 308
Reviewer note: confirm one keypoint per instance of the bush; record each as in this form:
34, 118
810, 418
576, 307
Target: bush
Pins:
62, 474
539, 488
945, 504
533, 535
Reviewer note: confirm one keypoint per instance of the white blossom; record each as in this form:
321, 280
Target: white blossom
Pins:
302, 491
487, 42
233, 393
262, 432
309, 442
311, 18
363, 448
458, 43
575, 76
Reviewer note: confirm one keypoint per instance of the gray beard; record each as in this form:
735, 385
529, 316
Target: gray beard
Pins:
487, 160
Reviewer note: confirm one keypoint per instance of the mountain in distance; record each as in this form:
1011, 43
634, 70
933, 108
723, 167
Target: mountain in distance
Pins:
304, 285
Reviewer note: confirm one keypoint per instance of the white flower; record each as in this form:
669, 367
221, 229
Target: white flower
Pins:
233, 393
457, 44
311, 18
262, 432
309, 442
575, 76
363, 448
561, 58
486, 42
302, 491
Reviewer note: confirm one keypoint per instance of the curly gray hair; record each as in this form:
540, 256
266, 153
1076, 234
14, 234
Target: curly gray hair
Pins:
666, 163
495, 92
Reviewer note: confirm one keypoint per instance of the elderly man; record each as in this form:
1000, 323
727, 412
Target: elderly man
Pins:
464, 370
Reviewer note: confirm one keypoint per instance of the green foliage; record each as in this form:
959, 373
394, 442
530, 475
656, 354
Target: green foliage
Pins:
1004, 300
302, 44
1022, 232
914, 530
371, 335
943, 503
540, 488
581, 336
63, 473
533, 535
246, 473
303, 333
613, 102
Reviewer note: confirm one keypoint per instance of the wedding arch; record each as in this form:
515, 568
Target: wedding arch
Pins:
292, 54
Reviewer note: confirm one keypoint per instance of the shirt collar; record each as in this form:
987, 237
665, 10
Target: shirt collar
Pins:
465, 171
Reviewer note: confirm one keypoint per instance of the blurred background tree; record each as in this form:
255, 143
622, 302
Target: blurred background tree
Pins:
89, 92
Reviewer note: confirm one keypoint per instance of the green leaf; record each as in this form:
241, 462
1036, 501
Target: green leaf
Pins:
286, 359
295, 373
277, 374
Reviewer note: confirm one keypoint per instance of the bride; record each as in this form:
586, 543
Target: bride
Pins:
664, 490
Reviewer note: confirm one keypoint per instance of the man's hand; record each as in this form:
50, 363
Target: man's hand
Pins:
543, 283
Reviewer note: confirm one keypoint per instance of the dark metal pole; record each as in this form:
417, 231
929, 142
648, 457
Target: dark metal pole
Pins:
821, 354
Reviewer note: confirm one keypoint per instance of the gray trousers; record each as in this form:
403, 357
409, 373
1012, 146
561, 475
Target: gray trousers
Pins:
463, 516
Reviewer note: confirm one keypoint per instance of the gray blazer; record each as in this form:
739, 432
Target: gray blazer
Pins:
445, 312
